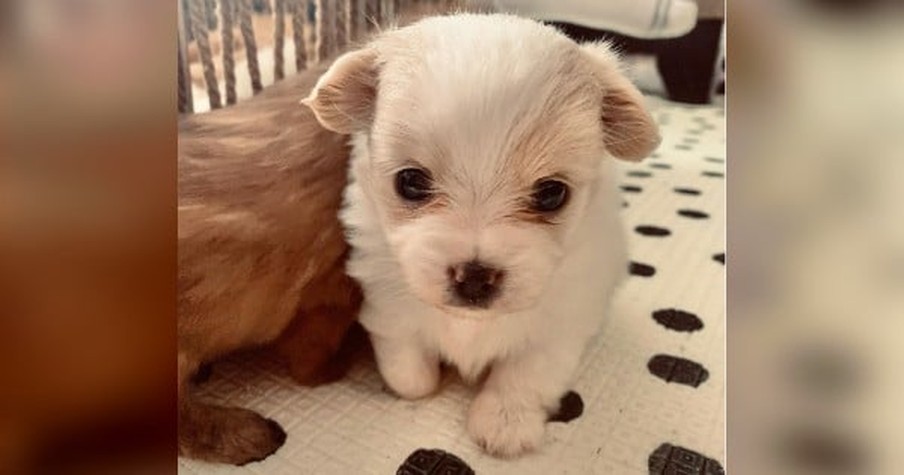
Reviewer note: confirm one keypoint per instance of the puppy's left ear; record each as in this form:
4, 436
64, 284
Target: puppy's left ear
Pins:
630, 133
343, 99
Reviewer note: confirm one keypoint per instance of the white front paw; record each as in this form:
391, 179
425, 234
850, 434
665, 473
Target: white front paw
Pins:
415, 380
409, 372
504, 428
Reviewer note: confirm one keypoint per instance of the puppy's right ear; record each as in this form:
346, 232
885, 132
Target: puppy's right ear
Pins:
343, 99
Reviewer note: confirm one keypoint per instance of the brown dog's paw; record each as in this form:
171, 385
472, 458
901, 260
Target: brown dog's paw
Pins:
228, 434
263, 441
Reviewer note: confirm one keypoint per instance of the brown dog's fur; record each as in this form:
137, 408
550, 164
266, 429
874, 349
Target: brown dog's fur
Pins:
260, 186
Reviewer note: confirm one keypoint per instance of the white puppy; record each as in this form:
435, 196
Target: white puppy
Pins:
482, 211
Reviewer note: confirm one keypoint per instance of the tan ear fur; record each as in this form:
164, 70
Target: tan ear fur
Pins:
630, 131
344, 97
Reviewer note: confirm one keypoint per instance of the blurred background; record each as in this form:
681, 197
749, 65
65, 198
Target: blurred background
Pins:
87, 236
815, 251
815, 287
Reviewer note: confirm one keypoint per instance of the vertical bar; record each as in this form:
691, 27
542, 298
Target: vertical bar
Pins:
387, 12
227, 9
360, 17
374, 18
349, 21
299, 17
279, 33
186, 101
244, 7
325, 27
342, 23
199, 27
330, 10
210, 14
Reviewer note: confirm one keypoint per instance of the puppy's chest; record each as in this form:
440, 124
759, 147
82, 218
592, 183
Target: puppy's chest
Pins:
471, 345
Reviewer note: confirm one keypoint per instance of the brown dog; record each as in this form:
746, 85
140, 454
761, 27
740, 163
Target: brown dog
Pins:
260, 186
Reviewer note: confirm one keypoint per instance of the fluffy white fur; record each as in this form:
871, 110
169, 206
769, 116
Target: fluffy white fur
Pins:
489, 104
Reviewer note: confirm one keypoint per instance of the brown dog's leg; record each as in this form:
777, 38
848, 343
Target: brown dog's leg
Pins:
222, 434
355, 345
311, 342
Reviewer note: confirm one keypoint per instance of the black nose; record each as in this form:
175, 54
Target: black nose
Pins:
474, 284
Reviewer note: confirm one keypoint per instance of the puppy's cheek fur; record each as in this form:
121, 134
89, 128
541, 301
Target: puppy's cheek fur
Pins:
423, 256
529, 257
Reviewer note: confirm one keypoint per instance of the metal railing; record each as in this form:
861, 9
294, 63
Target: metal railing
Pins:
320, 29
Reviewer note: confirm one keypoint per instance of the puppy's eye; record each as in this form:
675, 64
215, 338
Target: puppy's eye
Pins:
549, 195
413, 184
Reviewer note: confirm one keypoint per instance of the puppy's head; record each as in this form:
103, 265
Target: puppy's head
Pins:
481, 138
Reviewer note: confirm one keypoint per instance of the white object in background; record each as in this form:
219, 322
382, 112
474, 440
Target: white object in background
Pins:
643, 72
647, 19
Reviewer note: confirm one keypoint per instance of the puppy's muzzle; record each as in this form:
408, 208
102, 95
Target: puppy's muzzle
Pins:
474, 284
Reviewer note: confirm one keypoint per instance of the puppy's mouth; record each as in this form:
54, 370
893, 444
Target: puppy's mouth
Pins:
469, 312
476, 305
476, 308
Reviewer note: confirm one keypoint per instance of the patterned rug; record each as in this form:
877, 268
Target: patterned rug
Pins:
652, 386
